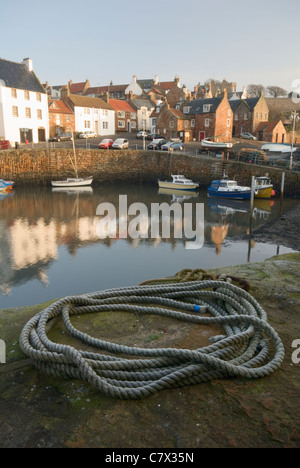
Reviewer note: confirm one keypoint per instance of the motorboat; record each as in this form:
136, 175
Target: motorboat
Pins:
179, 182
6, 185
73, 182
263, 187
278, 148
225, 188
215, 145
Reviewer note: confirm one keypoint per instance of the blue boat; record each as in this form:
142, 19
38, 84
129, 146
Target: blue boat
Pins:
4, 185
225, 188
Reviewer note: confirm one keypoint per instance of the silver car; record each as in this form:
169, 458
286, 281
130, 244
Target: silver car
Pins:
247, 136
120, 143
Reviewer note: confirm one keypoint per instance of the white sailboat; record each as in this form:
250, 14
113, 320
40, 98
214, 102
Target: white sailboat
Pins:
73, 181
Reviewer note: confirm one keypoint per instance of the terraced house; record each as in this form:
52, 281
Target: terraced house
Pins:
210, 118
23, 104
91, 114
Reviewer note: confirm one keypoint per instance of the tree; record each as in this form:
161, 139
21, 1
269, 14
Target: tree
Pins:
255, 90
276, 91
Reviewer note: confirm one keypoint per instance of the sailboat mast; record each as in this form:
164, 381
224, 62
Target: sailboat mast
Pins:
75, 159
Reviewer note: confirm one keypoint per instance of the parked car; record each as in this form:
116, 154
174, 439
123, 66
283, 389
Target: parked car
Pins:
62, 137
166, 146
153, 136
120, 143
247, 136
141, 135
106, 144
156, 144
88, 135
177, 145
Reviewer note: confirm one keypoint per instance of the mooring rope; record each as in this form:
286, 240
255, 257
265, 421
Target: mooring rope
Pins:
249, 348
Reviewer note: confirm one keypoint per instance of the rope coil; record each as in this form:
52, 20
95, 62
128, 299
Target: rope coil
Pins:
243, 350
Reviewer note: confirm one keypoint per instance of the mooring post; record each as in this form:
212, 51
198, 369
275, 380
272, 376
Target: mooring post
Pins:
252, 202
282, 190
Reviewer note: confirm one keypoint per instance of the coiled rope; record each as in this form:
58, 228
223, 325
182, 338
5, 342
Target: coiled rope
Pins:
250, 347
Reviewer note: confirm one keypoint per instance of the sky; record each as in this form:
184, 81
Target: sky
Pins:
244, 42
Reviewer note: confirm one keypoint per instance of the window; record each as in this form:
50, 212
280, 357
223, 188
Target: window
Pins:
95, 111
228, 123
27, 112
133, 115
133, 124
121, 123
121, 114
26, 95
13, 93
105, 125
38, 97
186, 109
186, 124
87, 124
15, 111
87, 110
39, 114
104, 112
229, 112
171, 124
206, 123
246, 116
193, 123
206, 108
68, 119
236, 117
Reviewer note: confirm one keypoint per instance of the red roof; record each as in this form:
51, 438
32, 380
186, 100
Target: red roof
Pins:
267, 126
117, 104
58, 107
76, 87
106, 89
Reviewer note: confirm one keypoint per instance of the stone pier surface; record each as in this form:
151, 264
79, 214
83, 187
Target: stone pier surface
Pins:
37, 410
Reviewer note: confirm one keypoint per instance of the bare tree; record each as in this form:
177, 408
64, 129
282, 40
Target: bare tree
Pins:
255, 90
276, 91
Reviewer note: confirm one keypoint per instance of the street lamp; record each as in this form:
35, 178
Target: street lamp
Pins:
294, 117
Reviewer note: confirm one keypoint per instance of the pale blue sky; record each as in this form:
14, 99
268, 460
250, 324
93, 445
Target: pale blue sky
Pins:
247, 42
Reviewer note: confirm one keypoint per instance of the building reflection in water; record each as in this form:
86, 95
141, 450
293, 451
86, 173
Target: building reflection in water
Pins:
35, 222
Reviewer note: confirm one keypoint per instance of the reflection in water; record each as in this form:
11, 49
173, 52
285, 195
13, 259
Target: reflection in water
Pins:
50, 247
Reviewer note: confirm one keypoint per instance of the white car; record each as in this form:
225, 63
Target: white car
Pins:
120, 143
88, 135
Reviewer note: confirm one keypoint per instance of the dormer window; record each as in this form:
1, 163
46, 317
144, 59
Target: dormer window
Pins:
206, 107
186, 109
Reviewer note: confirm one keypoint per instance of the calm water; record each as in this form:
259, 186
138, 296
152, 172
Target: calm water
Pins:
50, 248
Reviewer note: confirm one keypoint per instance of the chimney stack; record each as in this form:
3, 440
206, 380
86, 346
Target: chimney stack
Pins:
28, 62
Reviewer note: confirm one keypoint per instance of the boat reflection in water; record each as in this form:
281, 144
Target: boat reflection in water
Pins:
228, 210
49, 246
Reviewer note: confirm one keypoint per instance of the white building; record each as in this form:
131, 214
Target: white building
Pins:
23, 104
91, 114
134, 88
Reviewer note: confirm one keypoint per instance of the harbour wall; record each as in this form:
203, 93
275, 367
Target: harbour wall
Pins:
42, 165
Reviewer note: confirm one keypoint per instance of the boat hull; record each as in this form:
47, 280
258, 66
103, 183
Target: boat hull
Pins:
73, 182
215, 145
174, 186
265, 192
230, 195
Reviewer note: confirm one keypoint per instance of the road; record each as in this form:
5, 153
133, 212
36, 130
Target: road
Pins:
191, 148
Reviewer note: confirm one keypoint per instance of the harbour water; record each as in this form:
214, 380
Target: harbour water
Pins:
50, 245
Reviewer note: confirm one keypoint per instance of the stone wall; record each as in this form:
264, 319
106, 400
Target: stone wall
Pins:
42, 166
